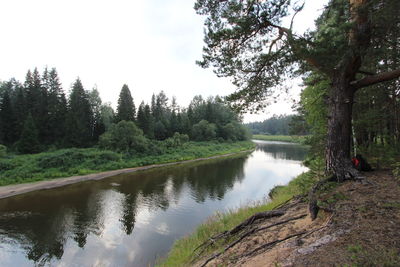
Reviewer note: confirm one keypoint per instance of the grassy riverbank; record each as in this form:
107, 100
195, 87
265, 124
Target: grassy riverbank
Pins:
282, 138
16, 169
182, 251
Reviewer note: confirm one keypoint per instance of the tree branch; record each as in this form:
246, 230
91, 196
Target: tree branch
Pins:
374, 79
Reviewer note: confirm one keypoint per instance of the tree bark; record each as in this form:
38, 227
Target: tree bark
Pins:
341, 95
338, 149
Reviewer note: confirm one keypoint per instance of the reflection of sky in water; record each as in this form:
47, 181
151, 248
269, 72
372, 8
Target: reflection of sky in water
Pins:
133, 223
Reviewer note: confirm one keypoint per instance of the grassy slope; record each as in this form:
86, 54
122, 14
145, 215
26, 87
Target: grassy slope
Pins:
182, 251
281, 138
15, 169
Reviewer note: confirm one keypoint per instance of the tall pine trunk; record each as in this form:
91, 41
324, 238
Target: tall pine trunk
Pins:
338, 148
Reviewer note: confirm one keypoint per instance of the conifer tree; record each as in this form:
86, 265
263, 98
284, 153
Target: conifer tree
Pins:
250, 42
97, 125
7, 120
29, 141
126, 108
57, 106
149, 125
79, 117
141, 120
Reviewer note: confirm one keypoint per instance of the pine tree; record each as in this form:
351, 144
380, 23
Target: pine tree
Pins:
248, 42
79, 117
29, 141
126, 108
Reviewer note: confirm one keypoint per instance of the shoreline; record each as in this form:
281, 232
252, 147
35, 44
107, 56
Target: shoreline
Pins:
18, 189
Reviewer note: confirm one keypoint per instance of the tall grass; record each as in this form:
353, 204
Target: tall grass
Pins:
16, 169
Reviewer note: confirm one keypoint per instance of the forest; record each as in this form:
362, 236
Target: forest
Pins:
38, 115
46, 133
280, 125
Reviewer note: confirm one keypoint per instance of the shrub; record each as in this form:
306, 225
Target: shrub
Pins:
3, 151
234, 131
177, 140
124, 137
204, 131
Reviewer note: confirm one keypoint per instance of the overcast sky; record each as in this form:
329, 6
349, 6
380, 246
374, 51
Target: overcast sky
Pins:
151, 45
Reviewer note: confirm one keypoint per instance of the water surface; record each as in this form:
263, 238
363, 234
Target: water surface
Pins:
132, 219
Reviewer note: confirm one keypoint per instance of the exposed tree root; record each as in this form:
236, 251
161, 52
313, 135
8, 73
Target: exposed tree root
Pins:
248, 233
239, 228
313, 207
275, 242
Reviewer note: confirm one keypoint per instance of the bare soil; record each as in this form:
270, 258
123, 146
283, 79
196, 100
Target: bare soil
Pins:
358, 226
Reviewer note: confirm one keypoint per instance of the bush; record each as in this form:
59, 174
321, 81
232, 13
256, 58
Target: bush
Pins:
124, 137
63, 159
3, 151
204, 131
177, 140
234, 131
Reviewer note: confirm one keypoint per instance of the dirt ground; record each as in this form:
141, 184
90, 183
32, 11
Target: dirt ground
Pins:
358, 226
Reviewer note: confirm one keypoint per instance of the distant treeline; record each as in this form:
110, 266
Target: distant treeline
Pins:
37, 115
280, 125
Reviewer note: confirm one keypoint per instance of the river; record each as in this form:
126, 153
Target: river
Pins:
133, 219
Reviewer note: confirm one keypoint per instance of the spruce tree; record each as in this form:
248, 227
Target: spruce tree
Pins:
126, 108
141, 120
97, 125
7, 120
57, 106
149, 126
29, 141
79, 117
20, 110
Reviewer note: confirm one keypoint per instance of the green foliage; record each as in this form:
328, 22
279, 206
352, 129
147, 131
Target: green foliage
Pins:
125, 136
16, 169
3, 151
29, 141
233, 131
7, 119
204, 131
126, 107
276, 125
177, 140
79, 117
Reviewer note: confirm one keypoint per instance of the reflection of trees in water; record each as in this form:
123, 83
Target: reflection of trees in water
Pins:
41, 223
214, 180
49, 218
283, 151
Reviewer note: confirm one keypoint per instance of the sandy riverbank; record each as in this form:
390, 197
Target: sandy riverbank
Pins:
13, 190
